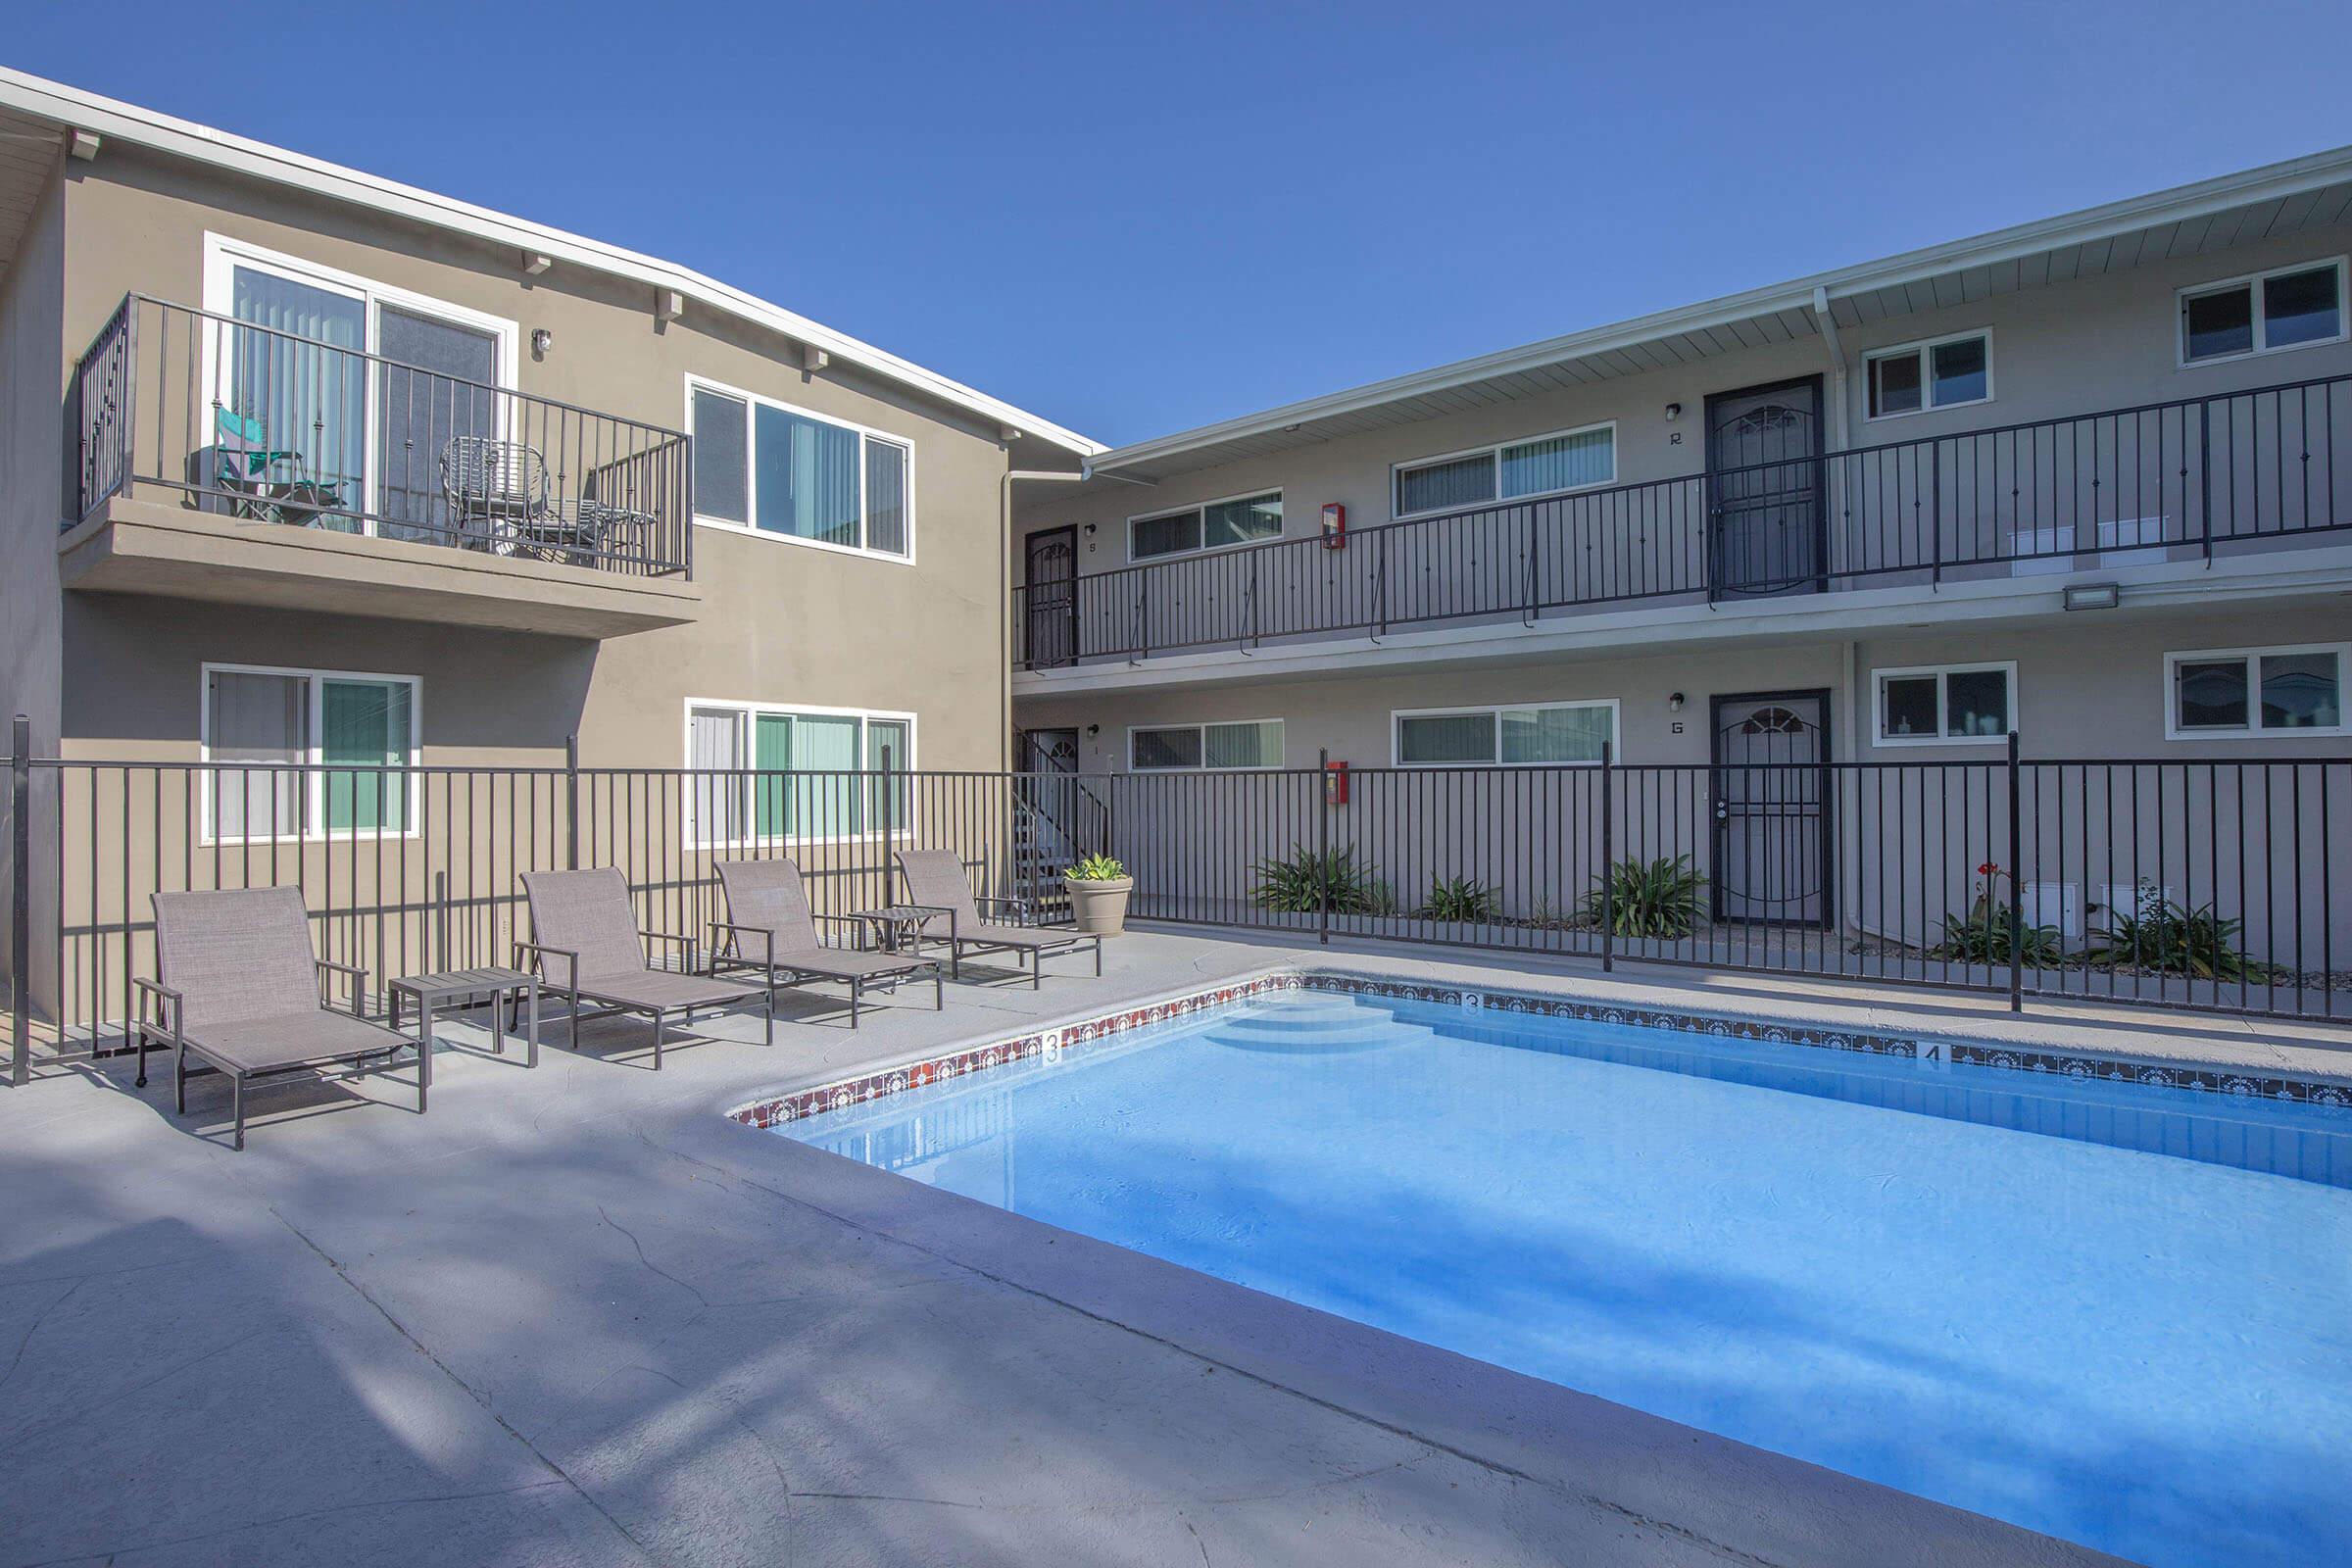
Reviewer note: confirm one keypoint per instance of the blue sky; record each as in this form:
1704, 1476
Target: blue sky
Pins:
1134, 219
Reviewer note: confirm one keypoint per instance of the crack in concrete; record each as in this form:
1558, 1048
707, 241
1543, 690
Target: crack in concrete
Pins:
472, 1393
657, 1268
38, 1427
34, 1326
113, 1552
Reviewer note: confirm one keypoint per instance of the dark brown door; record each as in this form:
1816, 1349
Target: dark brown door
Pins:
1051, 596
1764, 480
1772, 787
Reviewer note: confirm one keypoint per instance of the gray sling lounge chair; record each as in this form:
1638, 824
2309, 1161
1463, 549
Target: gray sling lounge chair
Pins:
936, 881
769, 927
586, 944
237, 986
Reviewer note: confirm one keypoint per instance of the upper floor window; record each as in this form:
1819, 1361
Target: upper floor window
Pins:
800, 773
1947, 704
1212, 526
1937, 373
1255, 742
2256, 691
1517, 471
766, 467
1535, 735
314, 746
2286, 307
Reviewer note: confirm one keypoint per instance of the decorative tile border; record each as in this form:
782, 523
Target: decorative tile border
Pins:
1054, 1044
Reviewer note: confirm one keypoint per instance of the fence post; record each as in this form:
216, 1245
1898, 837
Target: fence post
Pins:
2017, 888
1609, 861
1323, 845
2205, 476
20, 899
1936, 511
572, 801
889, 827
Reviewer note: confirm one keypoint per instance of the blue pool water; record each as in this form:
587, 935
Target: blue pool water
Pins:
2098, 1310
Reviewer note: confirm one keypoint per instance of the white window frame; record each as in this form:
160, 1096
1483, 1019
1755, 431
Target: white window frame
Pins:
1495, 710
314, 828
1202, 727
745, 713
1204, 548
1495, 452
1878, 703
750, 478
2254, 729
224, 255
2253, 281
1923, 349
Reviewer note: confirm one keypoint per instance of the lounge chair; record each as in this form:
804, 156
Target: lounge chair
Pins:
237, 986
936, 882
770, 927
581, 924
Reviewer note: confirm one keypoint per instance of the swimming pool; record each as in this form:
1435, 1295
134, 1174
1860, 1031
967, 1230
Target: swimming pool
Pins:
2116, 1314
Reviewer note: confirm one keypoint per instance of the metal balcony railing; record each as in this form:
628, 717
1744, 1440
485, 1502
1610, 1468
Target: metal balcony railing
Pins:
2188, 478
266, 425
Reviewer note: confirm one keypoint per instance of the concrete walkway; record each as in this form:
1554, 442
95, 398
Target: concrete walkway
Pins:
576, 1316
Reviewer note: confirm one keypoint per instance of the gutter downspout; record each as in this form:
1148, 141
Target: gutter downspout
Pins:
1004, 598
1839, 370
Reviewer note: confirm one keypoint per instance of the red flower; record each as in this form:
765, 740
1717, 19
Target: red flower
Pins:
1989, 869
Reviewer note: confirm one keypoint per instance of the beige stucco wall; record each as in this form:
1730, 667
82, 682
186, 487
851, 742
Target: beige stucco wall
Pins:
2087, 685
2058, 349
781, 622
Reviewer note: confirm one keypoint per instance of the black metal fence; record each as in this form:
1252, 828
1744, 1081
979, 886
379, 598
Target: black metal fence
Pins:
2228, 473
2217, 884
256, 424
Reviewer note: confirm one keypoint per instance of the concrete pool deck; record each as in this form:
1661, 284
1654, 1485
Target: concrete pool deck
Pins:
576, 1315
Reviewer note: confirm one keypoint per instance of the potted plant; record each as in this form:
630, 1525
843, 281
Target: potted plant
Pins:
1099, 887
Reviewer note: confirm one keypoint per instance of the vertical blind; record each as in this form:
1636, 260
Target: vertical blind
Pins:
310, 398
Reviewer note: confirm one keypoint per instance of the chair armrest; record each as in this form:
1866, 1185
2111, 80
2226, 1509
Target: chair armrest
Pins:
357, 974
539, 953
688, 944
861, 930
767, 938
172, 998
1020, 907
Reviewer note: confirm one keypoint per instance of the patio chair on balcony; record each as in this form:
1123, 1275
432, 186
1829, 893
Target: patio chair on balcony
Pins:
248, 477
587, 945
236, 987
498, 499
936, 882
770, 927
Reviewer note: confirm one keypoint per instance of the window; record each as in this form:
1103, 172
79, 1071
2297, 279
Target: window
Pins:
765, 467
1542, 465
741, 753
302, 754
1540, 735
1940, 373
2256, 691
2287, 307
291, 378
1947, 704
1214, 526
1251, 743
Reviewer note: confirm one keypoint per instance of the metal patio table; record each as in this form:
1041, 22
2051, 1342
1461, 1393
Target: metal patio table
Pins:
899, 927
433, 991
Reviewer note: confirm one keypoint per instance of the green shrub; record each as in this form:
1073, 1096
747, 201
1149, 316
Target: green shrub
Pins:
1293, 884
1096, 868
1460, 898
1656, 898
1982, 936
2160, 937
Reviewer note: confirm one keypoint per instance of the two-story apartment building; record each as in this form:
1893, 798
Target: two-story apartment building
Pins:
2086, 479
305, 465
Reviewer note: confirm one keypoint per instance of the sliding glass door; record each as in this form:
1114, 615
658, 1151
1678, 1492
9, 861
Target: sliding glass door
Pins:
419, 411
294, 409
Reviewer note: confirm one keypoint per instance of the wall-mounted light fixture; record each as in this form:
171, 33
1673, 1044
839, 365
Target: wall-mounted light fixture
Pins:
1674, 704
1093, 730
2092, 596
1674, 412
542, 340
1089, 530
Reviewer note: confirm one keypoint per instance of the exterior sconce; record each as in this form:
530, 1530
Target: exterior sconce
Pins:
542, 340
1674, 412
2092, 596
1674, 704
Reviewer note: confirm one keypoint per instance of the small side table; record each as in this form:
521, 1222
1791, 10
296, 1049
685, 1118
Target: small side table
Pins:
899, 927
433, 991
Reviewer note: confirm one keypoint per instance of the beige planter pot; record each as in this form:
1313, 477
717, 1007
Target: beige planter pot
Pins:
1099, 907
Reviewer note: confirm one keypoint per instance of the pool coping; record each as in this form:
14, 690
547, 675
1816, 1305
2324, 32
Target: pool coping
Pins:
1054, 1042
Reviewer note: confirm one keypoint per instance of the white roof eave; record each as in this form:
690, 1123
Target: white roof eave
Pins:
75, 109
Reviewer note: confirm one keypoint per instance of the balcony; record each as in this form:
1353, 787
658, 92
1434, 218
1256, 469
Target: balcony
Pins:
220, 460
2189, 481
